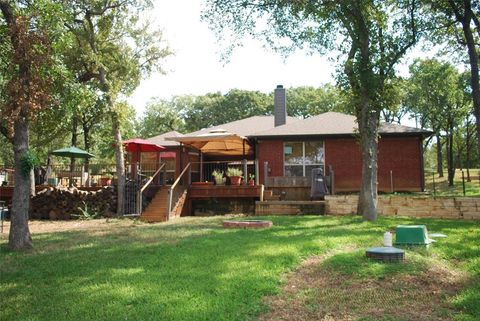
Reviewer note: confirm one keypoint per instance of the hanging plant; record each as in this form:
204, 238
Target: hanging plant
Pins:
28, 161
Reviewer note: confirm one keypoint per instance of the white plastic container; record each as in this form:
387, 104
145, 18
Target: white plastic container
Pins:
387, 239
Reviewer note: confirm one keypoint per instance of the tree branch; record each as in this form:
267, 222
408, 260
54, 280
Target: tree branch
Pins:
87, 76
349, 67
457, 13
7, 12
476, 21
4, 132
412, 42
104, 9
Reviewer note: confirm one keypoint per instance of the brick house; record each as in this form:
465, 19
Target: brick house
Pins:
292, 147
281, 152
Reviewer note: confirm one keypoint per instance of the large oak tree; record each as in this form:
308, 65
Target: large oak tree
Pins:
25, 80
437, 95
456, 23
371, 36
114, 49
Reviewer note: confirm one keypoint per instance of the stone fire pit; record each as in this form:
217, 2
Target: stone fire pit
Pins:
247, 224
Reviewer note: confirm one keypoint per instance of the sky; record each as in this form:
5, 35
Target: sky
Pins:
196, 67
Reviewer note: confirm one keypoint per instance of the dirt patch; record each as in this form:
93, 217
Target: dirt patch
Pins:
315, 293
101, 225
38, 227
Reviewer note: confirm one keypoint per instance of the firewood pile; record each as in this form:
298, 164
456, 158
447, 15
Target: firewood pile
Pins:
61, 203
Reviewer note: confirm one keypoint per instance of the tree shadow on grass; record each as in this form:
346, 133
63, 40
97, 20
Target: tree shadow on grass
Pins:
184, 272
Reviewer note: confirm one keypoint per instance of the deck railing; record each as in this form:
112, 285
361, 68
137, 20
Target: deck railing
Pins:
138, 176
150, 180
249, 169
87, 174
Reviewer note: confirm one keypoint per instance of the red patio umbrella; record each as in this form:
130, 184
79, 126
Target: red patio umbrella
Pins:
138, 145
168, 154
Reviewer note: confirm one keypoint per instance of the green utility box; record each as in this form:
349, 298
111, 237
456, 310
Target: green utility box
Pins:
412, 235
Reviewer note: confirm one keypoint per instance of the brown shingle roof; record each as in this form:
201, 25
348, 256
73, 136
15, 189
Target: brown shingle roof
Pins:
326, 124
160, 139
331, 123
245, 127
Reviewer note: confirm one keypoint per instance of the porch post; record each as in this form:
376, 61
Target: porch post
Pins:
257, 173
89, 180
164, 175
245, 171
333, 181
82, 172
158, 161
201, 166
265, 173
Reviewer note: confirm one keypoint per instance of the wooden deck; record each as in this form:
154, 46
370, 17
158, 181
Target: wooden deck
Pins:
225, 191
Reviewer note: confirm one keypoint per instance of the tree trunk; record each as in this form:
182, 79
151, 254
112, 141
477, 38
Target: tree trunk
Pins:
74, 143
32, 182
439, 157
86, 141
367, 201
19, 238
117, 138
474, 71
450, 165
120, 162
468, 144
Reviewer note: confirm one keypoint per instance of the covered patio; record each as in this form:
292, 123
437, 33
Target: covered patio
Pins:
220, 150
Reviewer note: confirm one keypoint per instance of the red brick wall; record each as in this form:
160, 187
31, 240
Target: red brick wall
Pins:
270, 151
401, 155
346, 160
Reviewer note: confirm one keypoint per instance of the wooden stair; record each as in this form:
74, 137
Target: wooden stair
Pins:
269, 196
157, 210
178, 208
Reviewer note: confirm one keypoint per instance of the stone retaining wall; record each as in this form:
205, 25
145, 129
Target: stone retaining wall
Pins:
415, 206
290, 208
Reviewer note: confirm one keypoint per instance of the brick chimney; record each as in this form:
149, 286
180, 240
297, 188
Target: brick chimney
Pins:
280, 106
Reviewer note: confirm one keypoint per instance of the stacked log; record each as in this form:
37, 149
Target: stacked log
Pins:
59, 203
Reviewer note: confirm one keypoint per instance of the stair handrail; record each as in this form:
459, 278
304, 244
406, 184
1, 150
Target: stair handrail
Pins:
150, 180
170, 191
147, 183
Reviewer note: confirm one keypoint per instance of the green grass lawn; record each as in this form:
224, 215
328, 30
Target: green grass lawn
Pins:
472, 188
193, 269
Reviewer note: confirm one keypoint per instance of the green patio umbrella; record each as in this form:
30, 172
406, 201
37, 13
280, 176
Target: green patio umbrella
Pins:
72, 152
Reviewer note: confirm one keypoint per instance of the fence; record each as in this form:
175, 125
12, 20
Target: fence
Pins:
466, 183
6, 176
94, 175
248, 169
84, 174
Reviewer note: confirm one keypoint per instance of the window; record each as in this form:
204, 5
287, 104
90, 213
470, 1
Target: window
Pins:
302, 157
170, 165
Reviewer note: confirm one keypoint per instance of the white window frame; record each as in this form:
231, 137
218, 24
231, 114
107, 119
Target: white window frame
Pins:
304, 165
